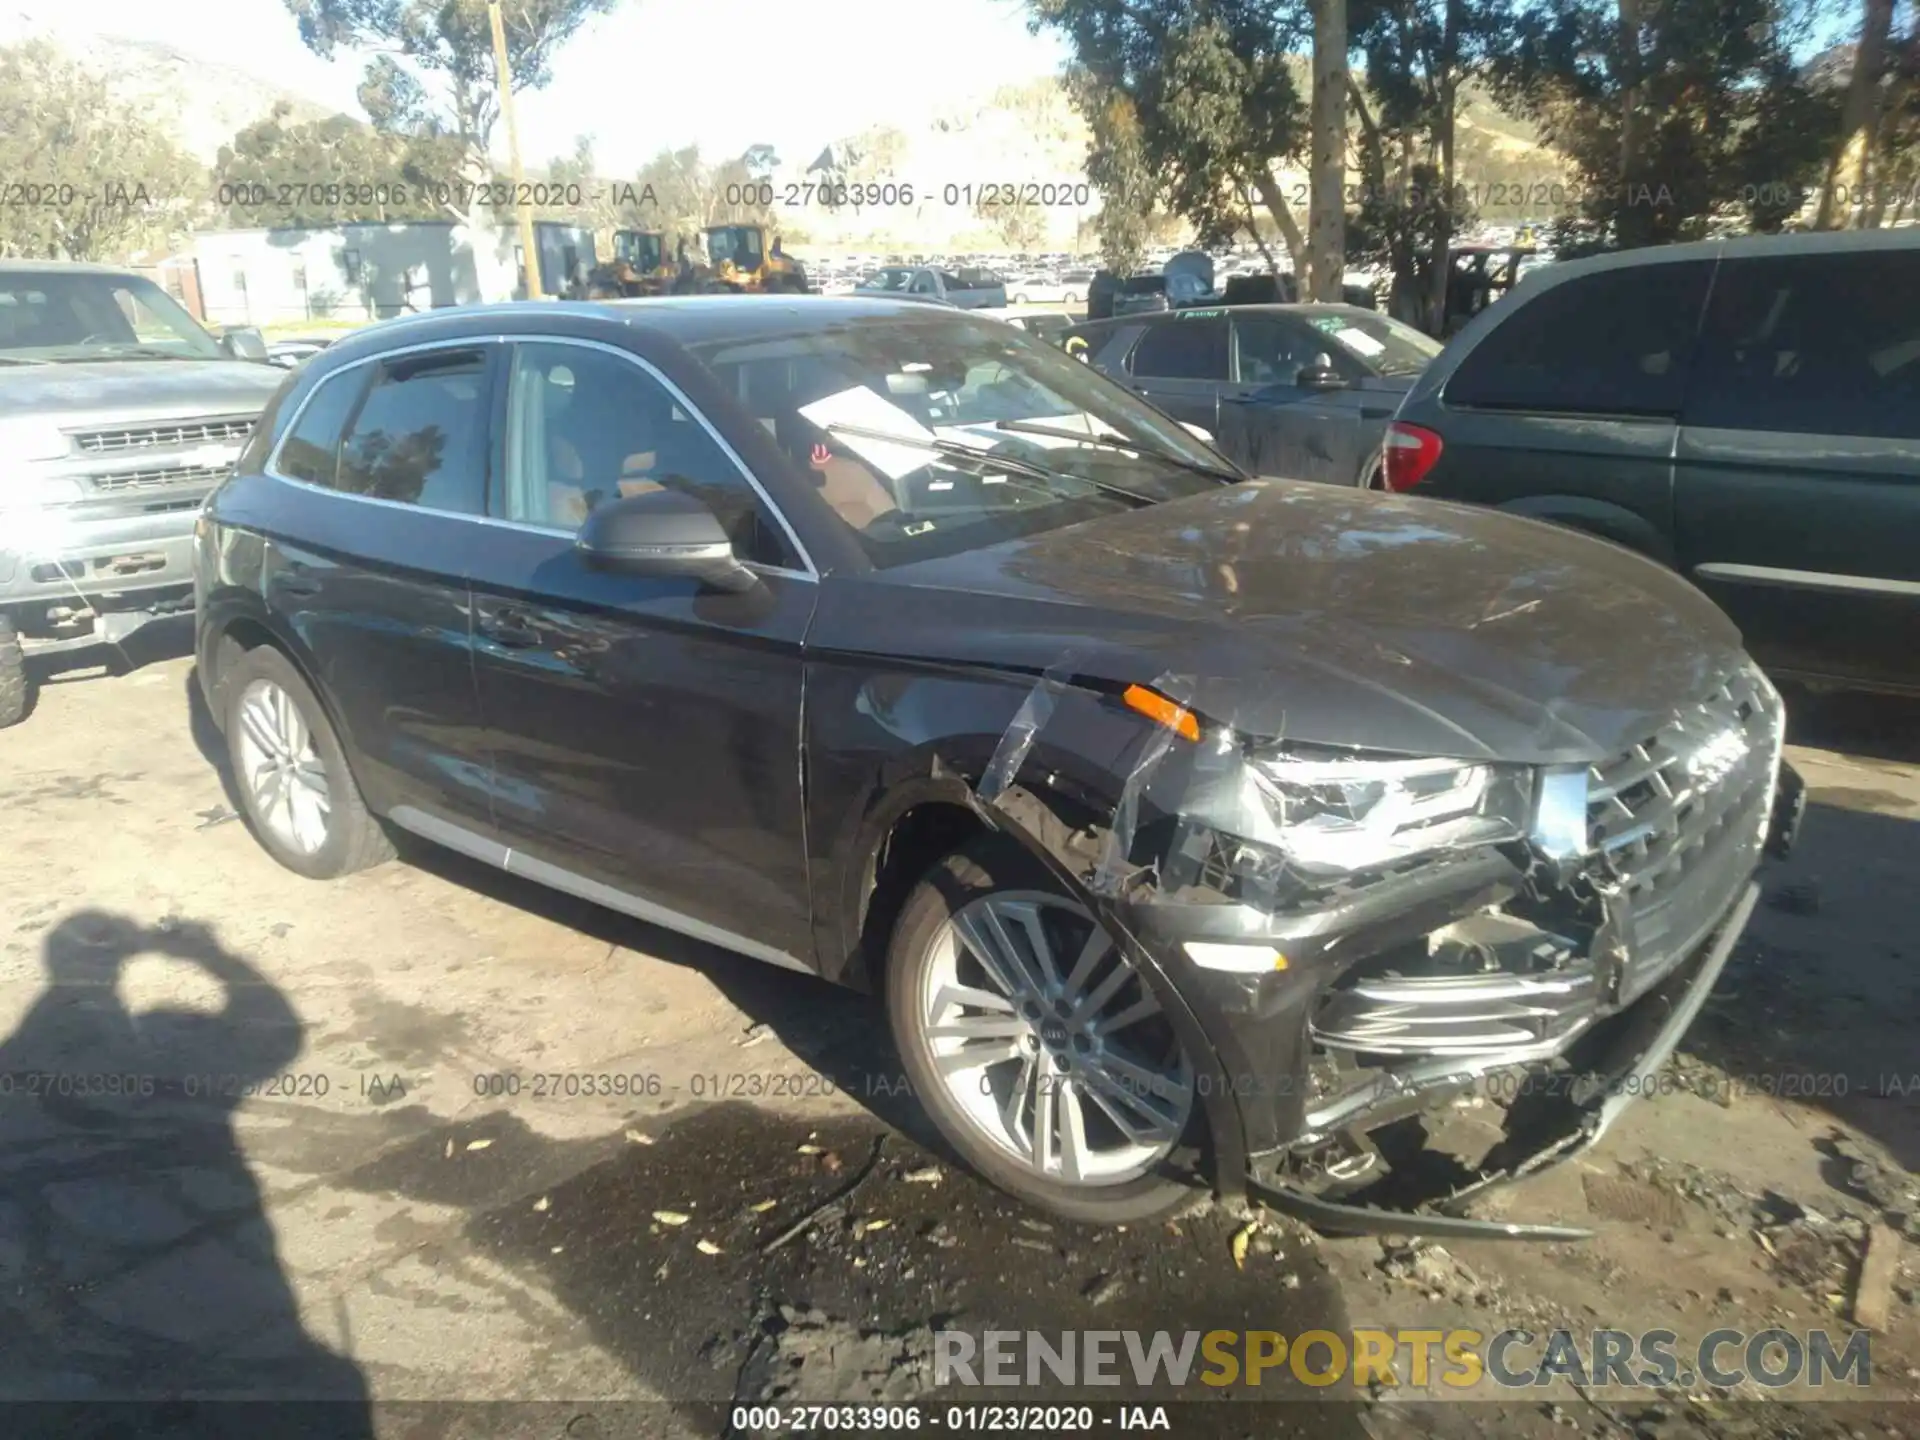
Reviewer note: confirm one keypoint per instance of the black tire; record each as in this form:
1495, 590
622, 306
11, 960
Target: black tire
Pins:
16, 696
981, 867
354, 838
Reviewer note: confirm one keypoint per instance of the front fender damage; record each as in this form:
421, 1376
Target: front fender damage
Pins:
1151, 863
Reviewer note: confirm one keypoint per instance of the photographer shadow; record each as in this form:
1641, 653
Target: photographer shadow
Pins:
139, 1262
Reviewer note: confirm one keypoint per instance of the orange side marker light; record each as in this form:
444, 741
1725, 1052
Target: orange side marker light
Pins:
1162, 711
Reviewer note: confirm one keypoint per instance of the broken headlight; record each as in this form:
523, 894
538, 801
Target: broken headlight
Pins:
1344, 813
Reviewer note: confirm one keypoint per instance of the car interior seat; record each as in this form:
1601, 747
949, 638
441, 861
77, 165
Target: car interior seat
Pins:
857, 493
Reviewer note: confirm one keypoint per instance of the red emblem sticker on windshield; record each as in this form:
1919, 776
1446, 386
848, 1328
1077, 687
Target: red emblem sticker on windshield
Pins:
821, 454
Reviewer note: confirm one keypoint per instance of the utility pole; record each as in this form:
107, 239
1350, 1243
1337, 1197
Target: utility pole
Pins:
531, 265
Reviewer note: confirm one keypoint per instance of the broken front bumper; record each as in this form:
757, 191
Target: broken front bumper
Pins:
1632, 1050
1341, 1020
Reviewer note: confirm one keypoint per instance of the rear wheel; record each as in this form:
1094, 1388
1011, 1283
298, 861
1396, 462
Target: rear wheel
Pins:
14, 693
300, 799
1038, 1050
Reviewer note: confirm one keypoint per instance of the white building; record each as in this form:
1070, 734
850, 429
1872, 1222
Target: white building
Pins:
372, 271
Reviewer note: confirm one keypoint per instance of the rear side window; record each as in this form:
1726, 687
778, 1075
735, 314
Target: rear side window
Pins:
1813, 345
1183, 350
312, 449
1614, 343
421, 435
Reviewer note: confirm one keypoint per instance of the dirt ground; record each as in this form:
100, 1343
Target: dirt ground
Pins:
408, 1139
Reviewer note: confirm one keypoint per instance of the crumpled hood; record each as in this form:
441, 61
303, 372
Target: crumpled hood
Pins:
136, 389
1336, 616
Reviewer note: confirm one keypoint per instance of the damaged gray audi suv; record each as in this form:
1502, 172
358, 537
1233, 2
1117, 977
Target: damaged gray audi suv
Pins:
1197, 828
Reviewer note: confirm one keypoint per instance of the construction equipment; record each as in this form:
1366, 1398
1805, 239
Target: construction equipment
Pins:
737, 258
639, 267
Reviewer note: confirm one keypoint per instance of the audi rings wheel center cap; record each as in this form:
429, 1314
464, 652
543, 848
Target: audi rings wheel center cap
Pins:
1054, 1032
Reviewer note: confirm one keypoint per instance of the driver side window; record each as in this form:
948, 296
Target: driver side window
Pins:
1273, 352
586, 426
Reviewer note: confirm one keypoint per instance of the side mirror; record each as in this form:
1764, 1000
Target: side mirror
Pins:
663, 533
1320, 377
244, 342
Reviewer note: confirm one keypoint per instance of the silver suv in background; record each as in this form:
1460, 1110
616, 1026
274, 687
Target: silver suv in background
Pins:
118, 414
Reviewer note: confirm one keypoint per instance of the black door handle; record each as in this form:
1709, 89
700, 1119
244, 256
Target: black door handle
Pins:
298, 586
513, 629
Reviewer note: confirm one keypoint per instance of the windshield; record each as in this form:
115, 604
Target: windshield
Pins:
893, 278
832, 396
638, 250
1381, 343
80, 315
735, 244
1145, 285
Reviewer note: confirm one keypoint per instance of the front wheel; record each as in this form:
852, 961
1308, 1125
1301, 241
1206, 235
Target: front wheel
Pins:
299, 796
1039, 1051
15, 695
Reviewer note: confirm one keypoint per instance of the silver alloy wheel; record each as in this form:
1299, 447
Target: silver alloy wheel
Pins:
1049, 1041
281, 769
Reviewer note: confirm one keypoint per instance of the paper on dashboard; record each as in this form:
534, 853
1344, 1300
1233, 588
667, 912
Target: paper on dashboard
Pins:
866, 410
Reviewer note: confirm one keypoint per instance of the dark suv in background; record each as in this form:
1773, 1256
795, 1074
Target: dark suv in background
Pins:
1746, 411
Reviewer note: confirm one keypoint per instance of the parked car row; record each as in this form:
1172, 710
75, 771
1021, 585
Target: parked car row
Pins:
1050, 287
967, 288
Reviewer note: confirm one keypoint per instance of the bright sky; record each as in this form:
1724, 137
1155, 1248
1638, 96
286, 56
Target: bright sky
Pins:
657, 73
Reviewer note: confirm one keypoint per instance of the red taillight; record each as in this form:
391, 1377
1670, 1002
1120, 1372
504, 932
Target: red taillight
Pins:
1411, 452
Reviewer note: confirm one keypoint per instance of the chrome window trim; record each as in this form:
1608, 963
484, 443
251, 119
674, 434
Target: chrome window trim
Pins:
271, 466
1838, 583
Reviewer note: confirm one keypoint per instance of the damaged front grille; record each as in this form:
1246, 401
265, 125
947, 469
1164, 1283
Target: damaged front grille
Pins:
1675, 825
1689, 801
217, 430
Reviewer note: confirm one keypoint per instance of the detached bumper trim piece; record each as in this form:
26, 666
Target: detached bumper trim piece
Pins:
1685, 1009
1331, 1215
1627, 1086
